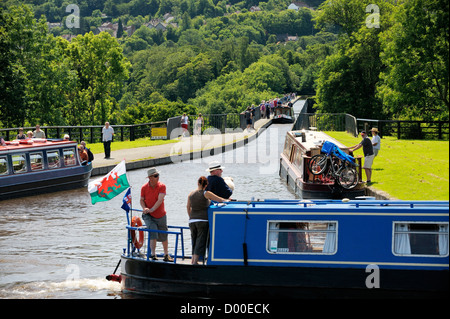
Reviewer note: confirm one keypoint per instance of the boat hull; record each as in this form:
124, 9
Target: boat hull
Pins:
282, 120
262, 282
308, 190
45, 182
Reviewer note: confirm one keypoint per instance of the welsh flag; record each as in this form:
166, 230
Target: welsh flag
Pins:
109, 186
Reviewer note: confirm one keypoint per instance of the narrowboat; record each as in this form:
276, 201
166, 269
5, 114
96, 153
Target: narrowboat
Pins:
35, 166
299, 148
303, 249
283, 114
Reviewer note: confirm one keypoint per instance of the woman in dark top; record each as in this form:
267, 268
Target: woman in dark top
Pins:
21, 136
197, 208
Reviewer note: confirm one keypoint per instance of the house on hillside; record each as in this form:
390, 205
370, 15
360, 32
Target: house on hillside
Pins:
296, 5
52, 25
109, 27
158, 24
112, 28
284, 37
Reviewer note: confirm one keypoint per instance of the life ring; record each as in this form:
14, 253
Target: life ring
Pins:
137, 222
26, 141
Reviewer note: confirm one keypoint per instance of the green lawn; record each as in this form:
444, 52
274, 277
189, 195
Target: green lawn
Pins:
97, 148
408, 169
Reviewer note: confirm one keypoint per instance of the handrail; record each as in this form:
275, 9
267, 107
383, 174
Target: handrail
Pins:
179, 233
357, 203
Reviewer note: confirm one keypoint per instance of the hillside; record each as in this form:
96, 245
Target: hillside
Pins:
145, 60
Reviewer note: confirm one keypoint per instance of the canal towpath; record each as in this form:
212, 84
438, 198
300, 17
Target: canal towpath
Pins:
187, 148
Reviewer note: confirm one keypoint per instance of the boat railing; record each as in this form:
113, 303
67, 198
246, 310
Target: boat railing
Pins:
356, 203
135, 252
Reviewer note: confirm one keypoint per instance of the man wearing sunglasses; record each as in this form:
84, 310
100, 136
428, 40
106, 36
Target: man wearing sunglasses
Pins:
154, 213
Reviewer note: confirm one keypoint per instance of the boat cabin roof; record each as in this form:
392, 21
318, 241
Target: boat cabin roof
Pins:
313, 139
330, 233
15, 145
338, 206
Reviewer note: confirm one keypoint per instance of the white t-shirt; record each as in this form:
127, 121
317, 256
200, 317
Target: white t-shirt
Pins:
376, 139
107, 133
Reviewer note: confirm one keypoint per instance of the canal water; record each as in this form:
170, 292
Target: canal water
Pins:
59, 245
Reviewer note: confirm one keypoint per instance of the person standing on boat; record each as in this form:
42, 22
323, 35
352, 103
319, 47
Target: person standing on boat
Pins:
107, 137
88, 151
216, 184
84, 158
38, 133
376, 141
21, 136
366, 144
154, 213
197, 209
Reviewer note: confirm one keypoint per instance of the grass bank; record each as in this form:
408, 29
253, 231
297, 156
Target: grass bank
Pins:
97, 148
408, 169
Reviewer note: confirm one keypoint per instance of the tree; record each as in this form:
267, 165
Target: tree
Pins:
415, 84
348, 79
12, 76
34, 74
349, 15
101, 70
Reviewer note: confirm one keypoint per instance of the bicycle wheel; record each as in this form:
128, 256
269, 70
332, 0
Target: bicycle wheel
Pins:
348, 178
318, 164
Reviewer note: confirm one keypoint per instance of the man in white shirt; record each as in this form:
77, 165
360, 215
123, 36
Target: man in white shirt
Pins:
108, 133
376, 141
38, 133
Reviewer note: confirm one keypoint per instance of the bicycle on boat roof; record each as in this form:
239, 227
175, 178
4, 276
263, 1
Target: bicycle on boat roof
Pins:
334, 163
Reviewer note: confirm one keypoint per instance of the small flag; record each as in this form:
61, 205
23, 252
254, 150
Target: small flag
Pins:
127, 201
109, 186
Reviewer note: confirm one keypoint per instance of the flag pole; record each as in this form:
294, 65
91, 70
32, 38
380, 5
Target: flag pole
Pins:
131, 208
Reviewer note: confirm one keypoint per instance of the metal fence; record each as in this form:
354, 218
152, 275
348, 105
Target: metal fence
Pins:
213, 123
429, 130
326, 122
91, 134
420, 130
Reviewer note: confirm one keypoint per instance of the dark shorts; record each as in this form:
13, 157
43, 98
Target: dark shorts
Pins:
156, 224
199, 237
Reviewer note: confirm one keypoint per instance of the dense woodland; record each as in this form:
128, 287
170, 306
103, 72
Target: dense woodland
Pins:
381, 59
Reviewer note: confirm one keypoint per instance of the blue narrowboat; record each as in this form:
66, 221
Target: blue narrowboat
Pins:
305, 249
35, 166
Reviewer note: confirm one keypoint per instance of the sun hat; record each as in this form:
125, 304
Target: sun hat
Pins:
152, 171
374, 130
213, 166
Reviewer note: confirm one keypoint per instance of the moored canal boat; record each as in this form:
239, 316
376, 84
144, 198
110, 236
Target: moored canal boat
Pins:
36, 166
305, 249
299, 148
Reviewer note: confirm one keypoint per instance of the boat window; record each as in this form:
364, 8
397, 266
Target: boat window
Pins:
298, 158
36, 161
53, 159
19, 163
287, 147
69, 156
298, 237
3, 166
424, 239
